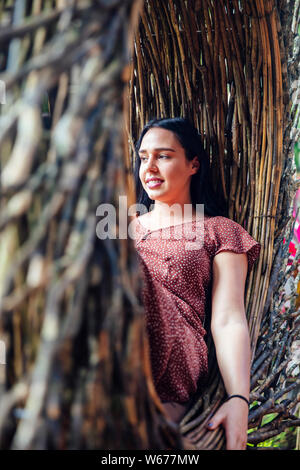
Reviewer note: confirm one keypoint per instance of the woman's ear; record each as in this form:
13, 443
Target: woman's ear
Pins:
195, 165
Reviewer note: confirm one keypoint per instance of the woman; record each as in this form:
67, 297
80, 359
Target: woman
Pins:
183, 286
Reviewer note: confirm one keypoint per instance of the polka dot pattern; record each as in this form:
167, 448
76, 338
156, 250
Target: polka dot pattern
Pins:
177, 295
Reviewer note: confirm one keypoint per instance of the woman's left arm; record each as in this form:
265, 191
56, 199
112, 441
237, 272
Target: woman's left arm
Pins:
231, 337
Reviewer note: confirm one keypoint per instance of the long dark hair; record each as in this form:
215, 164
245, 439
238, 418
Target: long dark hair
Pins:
201, 188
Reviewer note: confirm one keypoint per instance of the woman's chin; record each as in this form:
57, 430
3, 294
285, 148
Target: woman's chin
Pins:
154, 195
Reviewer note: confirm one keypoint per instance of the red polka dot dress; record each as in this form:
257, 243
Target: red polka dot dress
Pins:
176, 264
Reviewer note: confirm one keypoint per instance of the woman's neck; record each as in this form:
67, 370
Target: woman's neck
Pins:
176, 212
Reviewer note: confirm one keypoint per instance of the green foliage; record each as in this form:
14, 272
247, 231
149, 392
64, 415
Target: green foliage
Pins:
285, 440
297, 156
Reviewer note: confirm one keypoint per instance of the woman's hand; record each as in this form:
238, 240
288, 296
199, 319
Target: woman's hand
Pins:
233, 416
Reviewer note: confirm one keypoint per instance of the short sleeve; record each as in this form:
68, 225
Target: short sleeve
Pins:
231, 236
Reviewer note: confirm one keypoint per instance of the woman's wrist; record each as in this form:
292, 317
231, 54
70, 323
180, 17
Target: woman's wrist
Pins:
240, 397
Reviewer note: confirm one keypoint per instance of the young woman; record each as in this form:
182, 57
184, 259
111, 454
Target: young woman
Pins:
185, 283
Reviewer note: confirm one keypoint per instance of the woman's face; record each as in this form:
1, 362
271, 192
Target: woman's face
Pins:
165, 172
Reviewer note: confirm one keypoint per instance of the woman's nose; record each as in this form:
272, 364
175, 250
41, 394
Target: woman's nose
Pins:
151, 163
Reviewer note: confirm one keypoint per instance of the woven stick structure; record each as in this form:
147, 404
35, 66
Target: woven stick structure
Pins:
76, 372
224, 65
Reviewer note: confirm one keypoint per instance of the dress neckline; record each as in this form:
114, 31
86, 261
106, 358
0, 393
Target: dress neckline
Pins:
171, 226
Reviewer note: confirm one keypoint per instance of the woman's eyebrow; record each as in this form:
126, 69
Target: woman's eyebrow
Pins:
157, 150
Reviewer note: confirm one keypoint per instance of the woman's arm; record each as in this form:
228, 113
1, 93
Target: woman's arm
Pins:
230, 334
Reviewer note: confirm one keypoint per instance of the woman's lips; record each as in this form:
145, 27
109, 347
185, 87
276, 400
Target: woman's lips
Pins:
155, 183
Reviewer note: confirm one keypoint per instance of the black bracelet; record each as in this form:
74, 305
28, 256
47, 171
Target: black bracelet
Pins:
238, 396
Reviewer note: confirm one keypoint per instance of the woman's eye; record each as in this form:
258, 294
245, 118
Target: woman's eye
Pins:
144, 159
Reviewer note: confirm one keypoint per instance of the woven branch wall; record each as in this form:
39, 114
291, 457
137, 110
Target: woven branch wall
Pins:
77, 374
224, 65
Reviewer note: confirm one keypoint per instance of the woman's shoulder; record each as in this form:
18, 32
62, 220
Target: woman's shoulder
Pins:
222, 226
220, 220
216, 220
